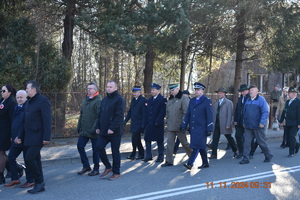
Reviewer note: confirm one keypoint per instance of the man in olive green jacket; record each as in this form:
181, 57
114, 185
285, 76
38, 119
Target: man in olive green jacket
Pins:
176, 108
87, 129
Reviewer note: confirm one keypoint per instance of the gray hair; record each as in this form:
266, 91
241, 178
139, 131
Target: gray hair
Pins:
23, 92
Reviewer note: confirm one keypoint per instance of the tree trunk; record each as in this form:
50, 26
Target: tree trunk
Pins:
184, 53
67, 45
116, 76
148, 71
240, 44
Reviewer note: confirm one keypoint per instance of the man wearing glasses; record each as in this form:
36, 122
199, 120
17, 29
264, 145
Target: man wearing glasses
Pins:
87, 129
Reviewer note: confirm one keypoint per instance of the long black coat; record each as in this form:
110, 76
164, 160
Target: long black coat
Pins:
37, 120
137, 114
17, 127
291, 113
6, 114
238, 115
111, 115
156, 111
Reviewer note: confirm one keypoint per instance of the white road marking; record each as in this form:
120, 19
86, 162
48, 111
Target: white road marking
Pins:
203, 186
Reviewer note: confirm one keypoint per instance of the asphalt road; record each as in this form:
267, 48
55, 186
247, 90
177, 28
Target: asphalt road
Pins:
278, 179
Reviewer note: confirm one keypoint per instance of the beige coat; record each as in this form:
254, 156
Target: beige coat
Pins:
225, 115
176, 109
280, 108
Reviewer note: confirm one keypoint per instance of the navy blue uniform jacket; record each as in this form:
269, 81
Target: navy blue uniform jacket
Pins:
37, 120
111, 115
200, 118
6, 114
137, 114
156, 112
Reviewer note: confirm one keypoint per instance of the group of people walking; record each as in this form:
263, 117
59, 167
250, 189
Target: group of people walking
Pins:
26, 127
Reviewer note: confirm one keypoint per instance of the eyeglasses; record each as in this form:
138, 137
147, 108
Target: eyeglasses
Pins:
90, 88
3, 91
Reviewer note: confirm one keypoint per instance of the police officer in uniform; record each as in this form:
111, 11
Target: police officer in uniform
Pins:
156, 111
199, 116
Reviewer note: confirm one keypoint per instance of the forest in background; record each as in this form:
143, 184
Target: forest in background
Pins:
64, 44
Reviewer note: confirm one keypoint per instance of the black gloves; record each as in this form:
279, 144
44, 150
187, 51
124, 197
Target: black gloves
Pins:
208, 133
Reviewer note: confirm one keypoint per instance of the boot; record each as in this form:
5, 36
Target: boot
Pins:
2, 178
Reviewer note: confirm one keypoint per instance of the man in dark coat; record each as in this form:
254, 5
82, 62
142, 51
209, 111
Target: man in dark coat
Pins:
110, 129
238, 119
16, 149
156, 111
37, 125
137, 114
87, 129
200, 118
291, 115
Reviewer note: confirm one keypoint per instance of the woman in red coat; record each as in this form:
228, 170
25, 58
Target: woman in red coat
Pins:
7, 106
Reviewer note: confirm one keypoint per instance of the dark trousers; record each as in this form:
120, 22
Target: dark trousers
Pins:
115, 148
176, 146
216, 138
160, 146
34, 164
194, 155
291, 132
137, 144
14, 152
284, 139
239, 137
82, 141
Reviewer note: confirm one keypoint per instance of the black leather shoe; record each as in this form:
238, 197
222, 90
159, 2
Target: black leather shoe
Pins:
213, 157
203, 166
93, 173
84, 170
131, 157
244, 162
159, 160
282, 146
209, 146
291, 155
147, 159
297, 147
37, 188
235, 154
188, 166
140, 157
268, 159
167, 164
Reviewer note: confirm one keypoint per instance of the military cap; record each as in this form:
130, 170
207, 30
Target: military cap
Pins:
173, 86
243, 87
198, 85
136, 88
155, 86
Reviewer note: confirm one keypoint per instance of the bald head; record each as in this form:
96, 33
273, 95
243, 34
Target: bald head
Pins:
21, 97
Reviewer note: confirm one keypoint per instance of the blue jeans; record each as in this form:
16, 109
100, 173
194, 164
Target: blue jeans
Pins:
82, 141
115, 149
